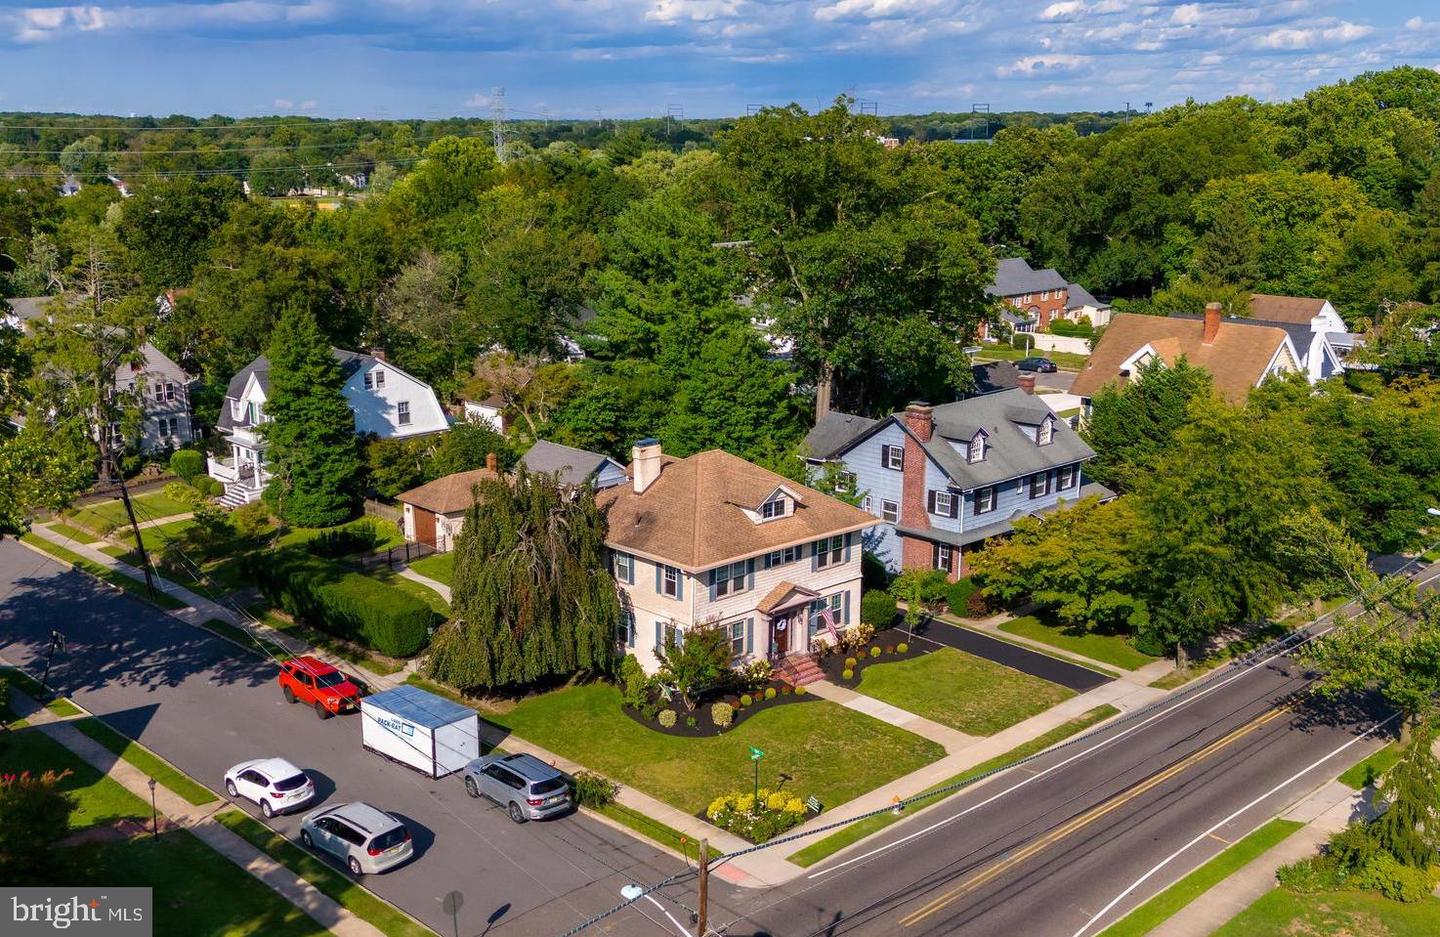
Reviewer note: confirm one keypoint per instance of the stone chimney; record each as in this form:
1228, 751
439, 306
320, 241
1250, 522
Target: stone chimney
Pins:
1212, 323
920, 419
378, 354
1026, 382
645, 456
492, 463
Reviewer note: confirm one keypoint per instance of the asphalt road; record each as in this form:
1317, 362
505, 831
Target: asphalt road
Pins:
205, 706
1071, 676
1041, 849
1058, 382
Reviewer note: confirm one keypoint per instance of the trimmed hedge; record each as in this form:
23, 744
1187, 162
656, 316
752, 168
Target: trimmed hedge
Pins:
957, 596
877, 609
187, 463
343, 602
359, 537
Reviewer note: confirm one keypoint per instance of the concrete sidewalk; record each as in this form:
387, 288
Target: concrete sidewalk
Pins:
953, 740
199, 821
432, 584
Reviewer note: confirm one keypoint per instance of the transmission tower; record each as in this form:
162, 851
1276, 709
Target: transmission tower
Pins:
673, 113
869, 107
497, 123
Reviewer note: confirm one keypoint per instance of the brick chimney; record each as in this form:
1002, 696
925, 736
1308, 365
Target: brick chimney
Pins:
645, 456
492, 463
1026, 382
1212, 323
920, 419
378, 354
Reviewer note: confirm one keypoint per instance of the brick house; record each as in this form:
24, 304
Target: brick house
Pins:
713, 538
944, 479
1032, 297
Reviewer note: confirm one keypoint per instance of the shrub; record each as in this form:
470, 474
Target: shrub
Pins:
957, 596
856, 636
889, 649
785, 690
745, 700
185, 494
756, 674
207, 486
801, 691
667, 718
902, 648
849, 662
335, 599
875, 651
359, 537
769, 692
635, 683
978, 605
1309, 875
931, 583
187, 463
847, 674
873, 574
691, 721
594, 790
756, 818
722, 714
251, 519
877, 609
1398, 882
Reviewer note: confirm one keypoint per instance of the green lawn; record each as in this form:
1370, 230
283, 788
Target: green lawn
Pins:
246, 640
960, 690
1000, 352
1165, 905
829, 751
833, 843
156, 537
108, 515
424, 593
1112, 649
1369, 771
22, 681
98, 798
135, 587
319, 873
438, 566
74, 533
147, 761
1282, 913
389, 534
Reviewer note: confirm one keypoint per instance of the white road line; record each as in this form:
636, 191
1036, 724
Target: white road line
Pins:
1274, 790
1056, 767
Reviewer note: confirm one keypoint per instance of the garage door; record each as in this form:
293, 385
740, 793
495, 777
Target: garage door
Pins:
424, 527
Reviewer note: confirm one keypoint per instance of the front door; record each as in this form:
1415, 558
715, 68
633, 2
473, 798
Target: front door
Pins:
780, 630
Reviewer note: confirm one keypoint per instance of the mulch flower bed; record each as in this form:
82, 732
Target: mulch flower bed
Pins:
888, 641
705, 727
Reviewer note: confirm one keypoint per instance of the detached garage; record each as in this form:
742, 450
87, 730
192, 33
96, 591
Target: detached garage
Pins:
426, 732
435, 512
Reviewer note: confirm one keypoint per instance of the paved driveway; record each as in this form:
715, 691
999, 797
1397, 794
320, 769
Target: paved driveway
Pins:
204, 706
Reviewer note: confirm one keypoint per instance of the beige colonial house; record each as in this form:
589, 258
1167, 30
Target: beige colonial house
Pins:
435, 511
714, 539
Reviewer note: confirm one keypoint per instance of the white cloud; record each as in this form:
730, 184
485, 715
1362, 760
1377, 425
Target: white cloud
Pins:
1062, 10
38, 24
1299, 38
1035, 66
284, 104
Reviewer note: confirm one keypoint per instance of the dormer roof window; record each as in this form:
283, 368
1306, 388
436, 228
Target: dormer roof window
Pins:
776, 506
1045, 432
975, 452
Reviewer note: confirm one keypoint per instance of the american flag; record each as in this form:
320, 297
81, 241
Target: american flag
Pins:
828, 617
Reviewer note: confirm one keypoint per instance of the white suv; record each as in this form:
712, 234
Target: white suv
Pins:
273, 783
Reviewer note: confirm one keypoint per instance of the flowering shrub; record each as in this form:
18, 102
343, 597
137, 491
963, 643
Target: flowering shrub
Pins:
667, 718
849, 662
722, 714
756, 820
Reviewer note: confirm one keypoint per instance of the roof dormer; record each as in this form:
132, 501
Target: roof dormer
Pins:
779, 503
975, 448
1045, 432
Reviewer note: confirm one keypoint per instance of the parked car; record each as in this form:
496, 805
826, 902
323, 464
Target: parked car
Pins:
1043, 365
312, 681
365, 838
525, 786
273, 783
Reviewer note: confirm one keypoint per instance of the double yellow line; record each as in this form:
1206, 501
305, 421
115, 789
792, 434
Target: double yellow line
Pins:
1073, 826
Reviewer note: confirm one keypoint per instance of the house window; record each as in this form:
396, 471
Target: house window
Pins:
834, 604
865, 505
943, 504
670, 581
1065, 478
775, 507
670, 634
977, 448
944, 556
829, 551
985, 499
889, 511
737, 638
252, 413
1026, 298
623, 567
369, 380
783, 557
1044, 295
625, 629
1046, 433
729, 579
1039, 484
379, 378
403, 408
893, 457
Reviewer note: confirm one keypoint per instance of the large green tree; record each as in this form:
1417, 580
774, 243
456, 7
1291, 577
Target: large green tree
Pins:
311, 448
532, 597
1132, 425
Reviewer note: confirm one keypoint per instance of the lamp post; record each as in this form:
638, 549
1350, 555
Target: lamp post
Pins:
154, 814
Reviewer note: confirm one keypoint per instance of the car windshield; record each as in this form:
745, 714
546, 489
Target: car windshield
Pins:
333, 678
547, 787
389, 838
291, 783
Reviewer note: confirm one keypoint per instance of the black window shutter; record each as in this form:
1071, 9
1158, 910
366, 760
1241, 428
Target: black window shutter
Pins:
954, 504
930, 501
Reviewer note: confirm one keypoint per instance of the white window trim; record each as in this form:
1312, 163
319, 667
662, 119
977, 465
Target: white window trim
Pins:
976, 450
884, 505
669, 576
944, 556
944, 503
898, 464
994, 497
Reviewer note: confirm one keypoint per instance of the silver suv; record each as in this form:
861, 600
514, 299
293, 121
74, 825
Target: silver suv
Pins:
365, 838
525, 786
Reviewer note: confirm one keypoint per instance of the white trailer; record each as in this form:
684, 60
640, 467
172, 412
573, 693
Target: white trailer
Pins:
421, 730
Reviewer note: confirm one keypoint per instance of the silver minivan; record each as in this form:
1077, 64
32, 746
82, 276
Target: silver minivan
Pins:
525, 786
365, 838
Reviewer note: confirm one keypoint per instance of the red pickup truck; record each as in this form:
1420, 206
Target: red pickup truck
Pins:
316, 683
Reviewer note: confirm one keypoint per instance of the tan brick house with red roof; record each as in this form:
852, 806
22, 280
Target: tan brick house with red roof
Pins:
715, 539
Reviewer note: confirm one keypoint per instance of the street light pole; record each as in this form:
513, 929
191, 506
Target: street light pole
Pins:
154, 814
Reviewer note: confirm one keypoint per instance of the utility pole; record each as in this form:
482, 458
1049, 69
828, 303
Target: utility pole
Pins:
702, 924
497, 124
135, 526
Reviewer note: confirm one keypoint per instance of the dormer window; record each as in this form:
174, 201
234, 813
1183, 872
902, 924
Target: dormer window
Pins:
976, 451
778, 506
1045, 433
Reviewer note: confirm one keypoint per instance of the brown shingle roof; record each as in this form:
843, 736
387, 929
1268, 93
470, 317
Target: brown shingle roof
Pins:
1237, 359
692, 515
448, 495
782, 591
1297, 310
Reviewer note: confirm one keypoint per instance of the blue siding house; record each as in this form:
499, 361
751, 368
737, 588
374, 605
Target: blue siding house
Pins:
945, 479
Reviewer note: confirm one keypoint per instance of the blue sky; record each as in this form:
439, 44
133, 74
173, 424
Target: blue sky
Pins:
627, 58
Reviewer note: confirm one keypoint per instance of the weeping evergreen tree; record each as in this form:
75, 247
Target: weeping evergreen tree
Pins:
531, 595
